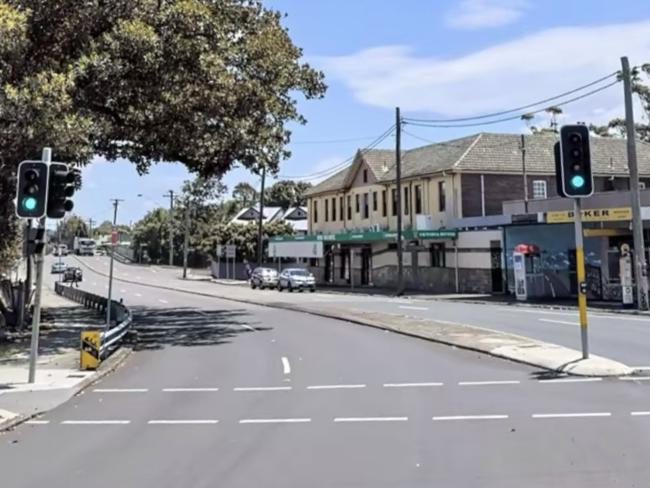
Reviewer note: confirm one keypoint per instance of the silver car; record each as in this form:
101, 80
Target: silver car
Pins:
264, 278
58, 267
296, 279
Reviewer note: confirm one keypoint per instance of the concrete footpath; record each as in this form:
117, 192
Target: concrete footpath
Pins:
57, 376
552, 357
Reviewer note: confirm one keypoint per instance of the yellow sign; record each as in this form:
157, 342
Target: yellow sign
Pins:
591, 215
605, 232
90, 344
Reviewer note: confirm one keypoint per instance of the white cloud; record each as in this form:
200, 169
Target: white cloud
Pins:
498, 77
476, 14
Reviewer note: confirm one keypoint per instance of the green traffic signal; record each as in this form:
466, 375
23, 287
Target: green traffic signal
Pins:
577, 181
29, 203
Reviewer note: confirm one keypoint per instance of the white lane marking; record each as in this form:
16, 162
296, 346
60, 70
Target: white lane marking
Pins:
570, 415
286, 367
481, 383
96, 422
262, 388
162, 301
121, 390
570, 380
411, 385
183, 422
122, 290
472, 417
333, 387
275, 421
409, 307
189, 390
639, 414
371, 419
563, 322
37, 422
575, 314
138, 294
634, 378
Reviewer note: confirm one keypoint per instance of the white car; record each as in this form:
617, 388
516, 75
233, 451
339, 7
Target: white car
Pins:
296, 279
59, 267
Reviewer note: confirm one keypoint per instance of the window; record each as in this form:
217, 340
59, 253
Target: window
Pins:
438, 255
365, 176
349, 207
341, 208
407, 203
315, 209
393, 193
357, 205
366, 207
374, 201
383, 203
442, 198
418, 199
327, 210
539, 189
333, 209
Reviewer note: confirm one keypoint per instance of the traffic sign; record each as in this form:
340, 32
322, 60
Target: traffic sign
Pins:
231, 250
114, 237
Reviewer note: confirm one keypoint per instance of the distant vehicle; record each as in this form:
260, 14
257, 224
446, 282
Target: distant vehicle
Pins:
58, 267
264, 278
61, 250
72, 274
83, 246
296, 279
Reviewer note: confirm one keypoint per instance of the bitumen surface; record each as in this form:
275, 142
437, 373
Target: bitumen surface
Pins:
219, 393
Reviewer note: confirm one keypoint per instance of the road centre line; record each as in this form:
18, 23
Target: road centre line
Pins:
570, 415
410, 385
162, 301
183, 422
286, 367
275, 421
262, 388
122, 290
485, 383
371, 419
189, 390
639, 414
37, 422
410, 307
120, 390
333, 387
563, 322
472, 417
96, 422
138, 294
570, 380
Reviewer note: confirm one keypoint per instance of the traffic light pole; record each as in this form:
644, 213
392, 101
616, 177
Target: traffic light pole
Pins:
580, 271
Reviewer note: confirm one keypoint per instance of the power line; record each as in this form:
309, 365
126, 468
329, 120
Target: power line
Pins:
518, 116
334, 141
517, 109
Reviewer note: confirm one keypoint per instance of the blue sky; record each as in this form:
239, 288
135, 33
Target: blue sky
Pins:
433, 58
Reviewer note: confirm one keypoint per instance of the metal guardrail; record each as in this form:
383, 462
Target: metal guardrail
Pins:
109, 339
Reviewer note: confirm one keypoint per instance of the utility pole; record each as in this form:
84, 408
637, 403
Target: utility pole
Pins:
27, 284
90, 227
640, 267
398, 202
116, 202
260, 221
170, 194
523, 171
186, 236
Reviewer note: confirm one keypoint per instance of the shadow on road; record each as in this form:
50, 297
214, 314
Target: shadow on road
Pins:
186, 326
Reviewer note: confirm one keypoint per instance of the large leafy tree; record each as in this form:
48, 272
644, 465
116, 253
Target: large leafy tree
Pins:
150, 234
286, 193
244, 194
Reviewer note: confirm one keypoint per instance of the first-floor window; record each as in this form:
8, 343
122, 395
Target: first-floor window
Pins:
539, 189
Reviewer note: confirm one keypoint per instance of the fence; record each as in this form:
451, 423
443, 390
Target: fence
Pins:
109, 338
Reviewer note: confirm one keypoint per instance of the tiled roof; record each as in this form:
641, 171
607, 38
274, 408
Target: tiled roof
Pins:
491, 153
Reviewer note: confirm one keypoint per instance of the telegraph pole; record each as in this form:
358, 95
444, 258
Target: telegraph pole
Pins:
116, 202
170, 194
186, 237
640, 267
398, 202
523, 171
90, 227
260, 222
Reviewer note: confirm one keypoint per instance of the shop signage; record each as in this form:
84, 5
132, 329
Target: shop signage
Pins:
371, 236
591, 215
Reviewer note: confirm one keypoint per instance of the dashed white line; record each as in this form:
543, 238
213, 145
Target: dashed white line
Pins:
183, 422
411, 385
121, 390
162, 300
570, 380
262, 388
333, 387
634, 378
37, 422
96, 422
472, 417
190, 390
486, 383
286, 367
409, 307
570, 415
371, 419
639, 414
563, 322
138, 294
275, 421
122, 290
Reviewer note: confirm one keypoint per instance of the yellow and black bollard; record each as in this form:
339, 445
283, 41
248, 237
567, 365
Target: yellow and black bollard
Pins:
90, 346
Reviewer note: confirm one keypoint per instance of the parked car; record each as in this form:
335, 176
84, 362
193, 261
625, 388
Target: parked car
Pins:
296, 279
58, 267
264, 278
72, 274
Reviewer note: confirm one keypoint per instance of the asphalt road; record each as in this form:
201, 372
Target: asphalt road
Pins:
230, 395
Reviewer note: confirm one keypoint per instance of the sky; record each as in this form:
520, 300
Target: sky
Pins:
435, 59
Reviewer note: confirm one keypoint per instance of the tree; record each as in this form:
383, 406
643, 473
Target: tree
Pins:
286, 193
244, 194
150, 234
71, 227
104, 228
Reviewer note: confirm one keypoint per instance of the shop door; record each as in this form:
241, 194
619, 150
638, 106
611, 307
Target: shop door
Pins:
495, 264
366, 265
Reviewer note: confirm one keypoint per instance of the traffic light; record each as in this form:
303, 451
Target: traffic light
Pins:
61, 189
575, 162
31, 190
35, 242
